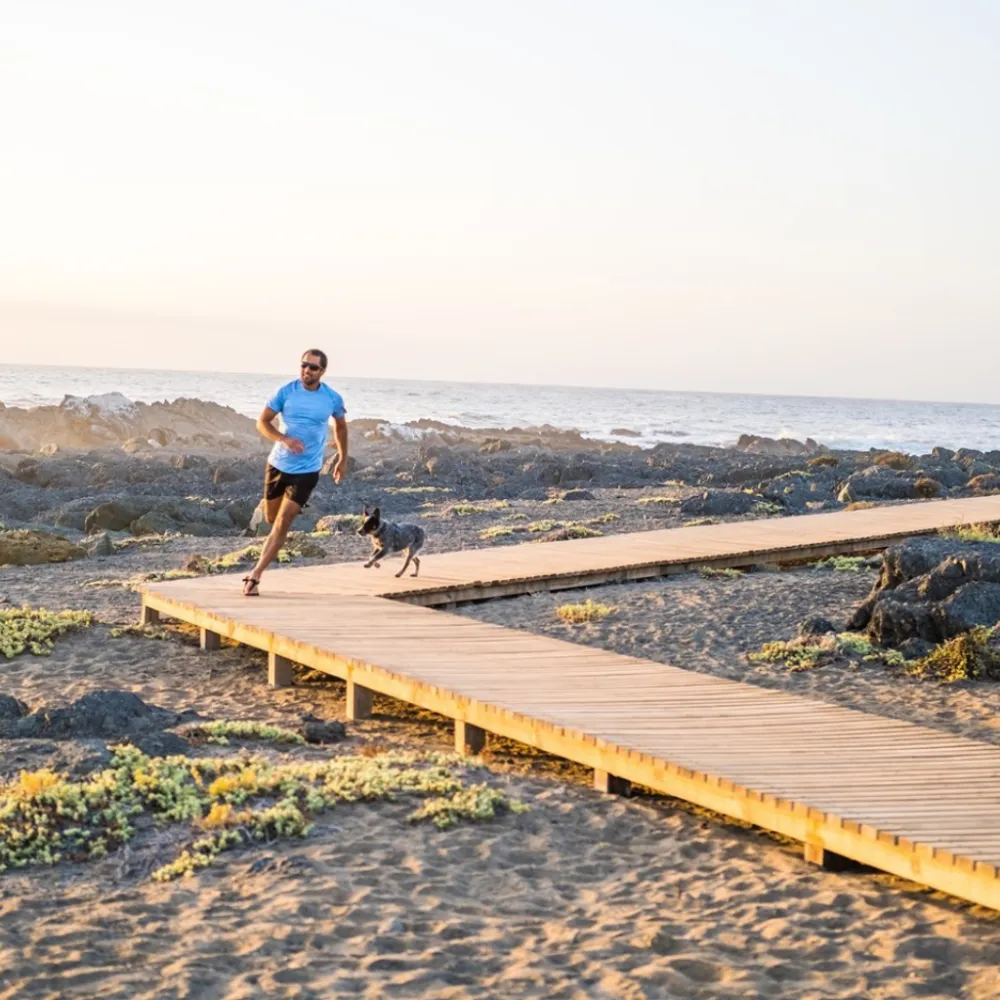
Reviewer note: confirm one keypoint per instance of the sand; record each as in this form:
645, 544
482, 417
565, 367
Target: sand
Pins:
584, 896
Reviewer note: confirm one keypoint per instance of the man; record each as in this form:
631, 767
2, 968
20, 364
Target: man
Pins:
293, 467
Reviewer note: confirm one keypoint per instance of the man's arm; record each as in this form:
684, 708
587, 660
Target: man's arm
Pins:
340, 436
265, 426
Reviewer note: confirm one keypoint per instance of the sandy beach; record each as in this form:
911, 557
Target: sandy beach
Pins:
581, 896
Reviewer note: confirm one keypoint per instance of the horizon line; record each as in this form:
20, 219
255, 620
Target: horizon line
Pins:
528, 385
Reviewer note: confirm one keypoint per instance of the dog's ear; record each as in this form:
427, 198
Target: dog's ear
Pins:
377, 514
364, 513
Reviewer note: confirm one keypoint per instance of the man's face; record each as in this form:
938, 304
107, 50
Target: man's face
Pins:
312, 370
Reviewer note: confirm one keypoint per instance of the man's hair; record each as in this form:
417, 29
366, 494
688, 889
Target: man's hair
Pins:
319, 354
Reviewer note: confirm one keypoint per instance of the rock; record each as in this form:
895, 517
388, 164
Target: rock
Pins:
185, 519
914, 648
153, 522
231, 473
927, 488
101, 545
578, 494
111, 419
533, 493
258, 525
893, 622
317, 731
578, 472
159, 436
945, 454
715, 503
440, 466
932, 589
11, 708
879, 483
195, 563
949, 474
330, 464
135, 445
544, 473
35, 548
116, 515
241, 512
624, 432
987, 483
104, 714
977, 468
757, 445
815, 626
48, 449
74, 514
493, 445
99, 475
975, 603
797, 490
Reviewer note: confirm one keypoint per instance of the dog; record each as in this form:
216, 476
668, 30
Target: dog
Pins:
388, 537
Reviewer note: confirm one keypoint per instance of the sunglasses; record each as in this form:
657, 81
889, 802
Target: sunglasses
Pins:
311, 366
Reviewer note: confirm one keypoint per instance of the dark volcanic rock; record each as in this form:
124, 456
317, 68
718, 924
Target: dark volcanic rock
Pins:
782, 446
719, 503
987, 483
975, 603
100, 714
932, 589
116, 515
11, 709
795, 490
318, 731
879, 483
815, 626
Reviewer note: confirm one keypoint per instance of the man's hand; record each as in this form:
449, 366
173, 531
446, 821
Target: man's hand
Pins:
338, 470
294, 445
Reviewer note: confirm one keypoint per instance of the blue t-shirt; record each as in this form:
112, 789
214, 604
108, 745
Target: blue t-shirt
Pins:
305, 414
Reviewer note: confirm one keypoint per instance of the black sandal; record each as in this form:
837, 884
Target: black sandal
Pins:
250, 586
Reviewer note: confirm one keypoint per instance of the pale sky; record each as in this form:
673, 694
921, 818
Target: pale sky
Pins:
795, 196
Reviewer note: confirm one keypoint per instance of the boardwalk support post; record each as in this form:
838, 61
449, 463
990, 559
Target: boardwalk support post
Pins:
469, 739
816, 854
279, 671
148, 615
609, 784
210, 641
359, 701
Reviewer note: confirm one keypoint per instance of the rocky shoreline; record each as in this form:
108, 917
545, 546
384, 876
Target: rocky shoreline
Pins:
195, 468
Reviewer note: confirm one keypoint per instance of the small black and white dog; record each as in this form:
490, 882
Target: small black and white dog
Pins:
388, 537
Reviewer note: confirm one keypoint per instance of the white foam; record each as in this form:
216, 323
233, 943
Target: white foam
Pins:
105, 404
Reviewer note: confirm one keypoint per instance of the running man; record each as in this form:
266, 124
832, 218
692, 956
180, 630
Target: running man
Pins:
293, 467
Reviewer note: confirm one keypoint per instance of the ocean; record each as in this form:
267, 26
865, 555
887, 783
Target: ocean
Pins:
693, 417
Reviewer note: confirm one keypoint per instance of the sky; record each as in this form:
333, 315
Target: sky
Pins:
772, 196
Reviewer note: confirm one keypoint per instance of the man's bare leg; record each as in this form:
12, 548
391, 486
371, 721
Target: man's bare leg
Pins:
280, 514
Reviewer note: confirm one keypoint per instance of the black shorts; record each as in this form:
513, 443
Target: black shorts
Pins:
297, 486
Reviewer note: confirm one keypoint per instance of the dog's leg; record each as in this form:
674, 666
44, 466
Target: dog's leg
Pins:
374, 561
406, 563
416, 565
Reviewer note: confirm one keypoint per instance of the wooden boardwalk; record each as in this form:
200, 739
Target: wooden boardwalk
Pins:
908, 800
